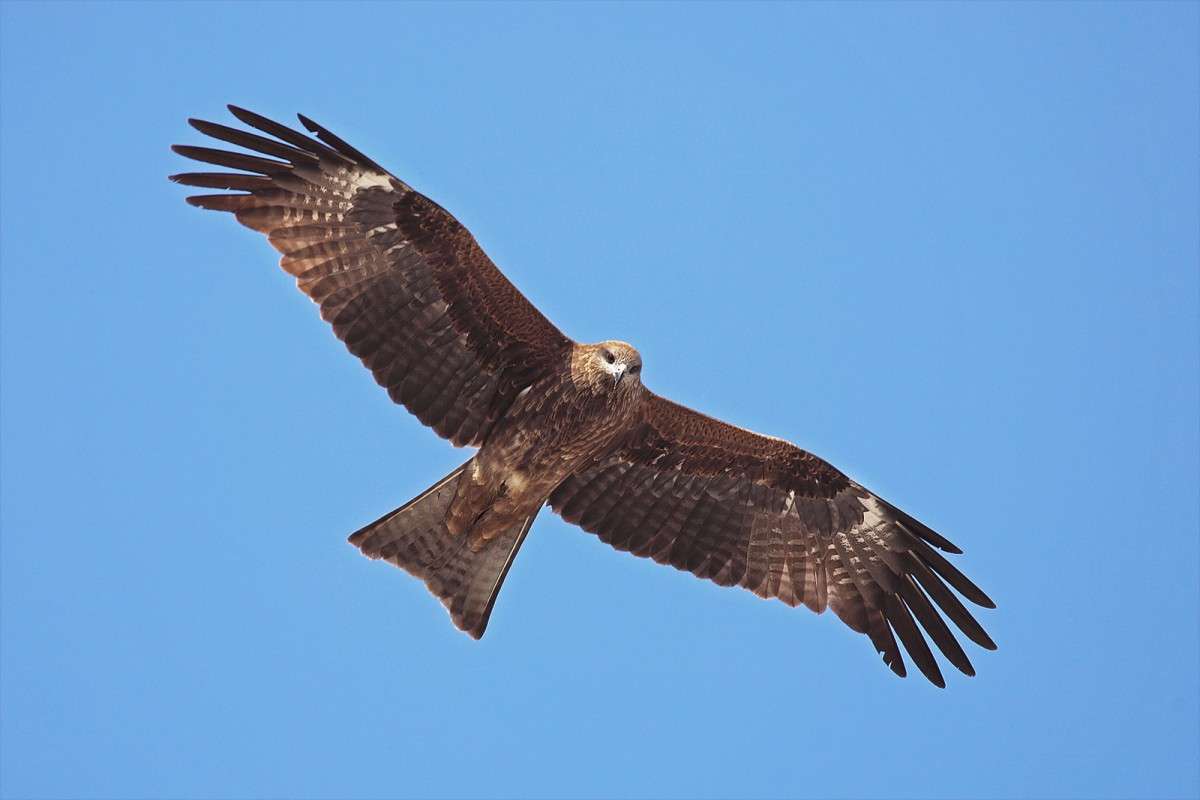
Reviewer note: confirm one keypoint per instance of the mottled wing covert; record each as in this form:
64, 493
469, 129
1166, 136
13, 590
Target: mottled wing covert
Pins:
740, 508
402, 282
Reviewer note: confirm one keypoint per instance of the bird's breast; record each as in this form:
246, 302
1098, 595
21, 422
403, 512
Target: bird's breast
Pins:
553, 427
546, 435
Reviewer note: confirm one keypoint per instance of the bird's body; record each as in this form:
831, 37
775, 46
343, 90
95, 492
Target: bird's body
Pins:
411, 293
551, 429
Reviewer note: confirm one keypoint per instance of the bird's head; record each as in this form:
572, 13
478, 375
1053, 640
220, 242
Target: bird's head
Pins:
617, 362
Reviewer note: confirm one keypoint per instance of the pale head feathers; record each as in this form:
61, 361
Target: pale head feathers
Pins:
609, 365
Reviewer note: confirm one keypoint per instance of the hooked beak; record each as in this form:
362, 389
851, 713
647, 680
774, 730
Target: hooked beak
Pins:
620, 375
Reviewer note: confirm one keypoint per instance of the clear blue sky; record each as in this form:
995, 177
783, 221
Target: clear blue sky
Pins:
952, 249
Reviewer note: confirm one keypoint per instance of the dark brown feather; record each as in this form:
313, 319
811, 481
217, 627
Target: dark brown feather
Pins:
223, 180
225, 158
221, 202
881, 636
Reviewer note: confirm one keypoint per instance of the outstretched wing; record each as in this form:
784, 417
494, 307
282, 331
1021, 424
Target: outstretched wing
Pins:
403, 283
740, 508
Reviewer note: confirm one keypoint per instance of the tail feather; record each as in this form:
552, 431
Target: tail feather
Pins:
414, 537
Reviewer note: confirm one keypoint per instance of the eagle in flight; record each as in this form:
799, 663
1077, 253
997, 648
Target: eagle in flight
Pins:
410, 293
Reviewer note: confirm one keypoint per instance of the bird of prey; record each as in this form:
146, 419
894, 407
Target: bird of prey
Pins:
410, 293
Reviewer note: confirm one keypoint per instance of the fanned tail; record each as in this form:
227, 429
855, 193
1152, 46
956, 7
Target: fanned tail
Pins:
414, 537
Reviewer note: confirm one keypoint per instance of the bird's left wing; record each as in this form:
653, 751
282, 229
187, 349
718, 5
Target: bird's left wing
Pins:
740, 508
402, 282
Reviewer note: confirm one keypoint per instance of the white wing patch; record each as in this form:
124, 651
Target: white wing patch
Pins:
367, 180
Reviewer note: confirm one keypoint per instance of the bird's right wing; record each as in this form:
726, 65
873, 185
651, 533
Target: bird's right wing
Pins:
740, 508
402, 282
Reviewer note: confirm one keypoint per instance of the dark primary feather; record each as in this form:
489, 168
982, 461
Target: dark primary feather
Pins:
402, 282
739, 508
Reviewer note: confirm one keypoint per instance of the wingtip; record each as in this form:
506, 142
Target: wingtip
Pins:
933, 673
205, 127
243, 114
309, 125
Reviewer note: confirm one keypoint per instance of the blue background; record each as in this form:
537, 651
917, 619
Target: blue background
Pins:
952, 249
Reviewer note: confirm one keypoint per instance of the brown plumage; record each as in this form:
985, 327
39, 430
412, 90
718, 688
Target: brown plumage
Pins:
410, 292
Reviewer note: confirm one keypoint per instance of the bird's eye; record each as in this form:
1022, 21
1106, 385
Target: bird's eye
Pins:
609, 357
635, 369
